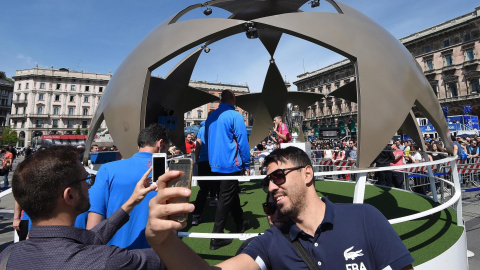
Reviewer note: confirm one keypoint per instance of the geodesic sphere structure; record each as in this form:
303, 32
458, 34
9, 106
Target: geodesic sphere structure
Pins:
388, 79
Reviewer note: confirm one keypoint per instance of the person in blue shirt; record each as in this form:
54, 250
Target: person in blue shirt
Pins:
115, 181
335, 236
228, 155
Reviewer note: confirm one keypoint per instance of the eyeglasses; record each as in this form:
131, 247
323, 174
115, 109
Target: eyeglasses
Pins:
90, 179
278, 177
269, 208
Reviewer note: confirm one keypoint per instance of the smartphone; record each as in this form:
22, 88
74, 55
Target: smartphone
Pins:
159, 163
185, 180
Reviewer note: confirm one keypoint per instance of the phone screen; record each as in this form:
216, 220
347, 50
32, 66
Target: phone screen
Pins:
159, 164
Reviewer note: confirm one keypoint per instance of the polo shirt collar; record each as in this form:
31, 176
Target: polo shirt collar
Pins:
143, 155
327, 222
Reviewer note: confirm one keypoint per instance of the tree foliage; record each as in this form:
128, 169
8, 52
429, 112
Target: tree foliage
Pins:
9, 137
78, 131
3, 76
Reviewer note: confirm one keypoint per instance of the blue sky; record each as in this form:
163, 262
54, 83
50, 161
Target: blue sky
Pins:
97, 35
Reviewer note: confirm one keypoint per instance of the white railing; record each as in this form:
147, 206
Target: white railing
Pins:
361, 175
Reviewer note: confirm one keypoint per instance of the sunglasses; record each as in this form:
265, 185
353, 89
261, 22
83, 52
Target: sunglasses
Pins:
269, 208
278, 177
90, 179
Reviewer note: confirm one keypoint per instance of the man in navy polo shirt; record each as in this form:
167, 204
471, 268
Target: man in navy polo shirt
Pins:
335, 236
116, 180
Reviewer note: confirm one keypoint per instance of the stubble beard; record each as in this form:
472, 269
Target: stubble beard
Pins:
297, 203
84, 206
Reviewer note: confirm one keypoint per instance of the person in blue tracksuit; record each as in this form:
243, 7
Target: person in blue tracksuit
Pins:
228, 155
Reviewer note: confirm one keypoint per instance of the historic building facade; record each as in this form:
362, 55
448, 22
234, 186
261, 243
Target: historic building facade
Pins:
448, 53
197, 115
51, 101
54, 101
6, 92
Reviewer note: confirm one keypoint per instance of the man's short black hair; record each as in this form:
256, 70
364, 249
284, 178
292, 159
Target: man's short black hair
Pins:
40, 180
295, 155
150, 135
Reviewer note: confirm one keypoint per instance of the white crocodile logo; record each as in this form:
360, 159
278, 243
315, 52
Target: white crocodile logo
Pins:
352, 255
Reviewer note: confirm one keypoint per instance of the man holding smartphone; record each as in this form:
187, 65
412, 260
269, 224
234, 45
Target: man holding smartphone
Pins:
332, 236
228, 155
116, 180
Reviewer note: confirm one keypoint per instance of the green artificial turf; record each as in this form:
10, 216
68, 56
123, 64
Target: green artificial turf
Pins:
426, 238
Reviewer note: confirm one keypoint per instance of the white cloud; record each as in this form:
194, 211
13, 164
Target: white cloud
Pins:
26, 60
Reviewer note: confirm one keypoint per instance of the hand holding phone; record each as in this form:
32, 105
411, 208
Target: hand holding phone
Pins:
185, 165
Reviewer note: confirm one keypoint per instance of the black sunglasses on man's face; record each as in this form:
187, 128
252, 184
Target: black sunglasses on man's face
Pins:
278, 177
90, 179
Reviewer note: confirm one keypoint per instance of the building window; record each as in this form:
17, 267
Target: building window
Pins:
100, 89
448, 60
329, 89
87, 88
41, 96
85, 99
475, 86
23, 124
469, 56
430, 64
19, 86
199, 114
38, 123
72, 87
452, 87
446, 43
72, 98
85, 111
467, 37
70, 124
189, 114
55, 123
42, 85
427, 49
84, 124
70, 110
56, 110
26, 85
57, 97
40, 110
58, 86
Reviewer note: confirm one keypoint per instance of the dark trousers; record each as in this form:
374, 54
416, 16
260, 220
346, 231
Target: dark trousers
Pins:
228, 202
398, 180
384, 178
205, 188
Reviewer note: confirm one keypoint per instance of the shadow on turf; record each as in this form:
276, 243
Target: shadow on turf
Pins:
384, 202
256, 185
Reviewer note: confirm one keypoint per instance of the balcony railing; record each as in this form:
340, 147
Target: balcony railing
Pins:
76, 116
18, 116
43, 115
19, 101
